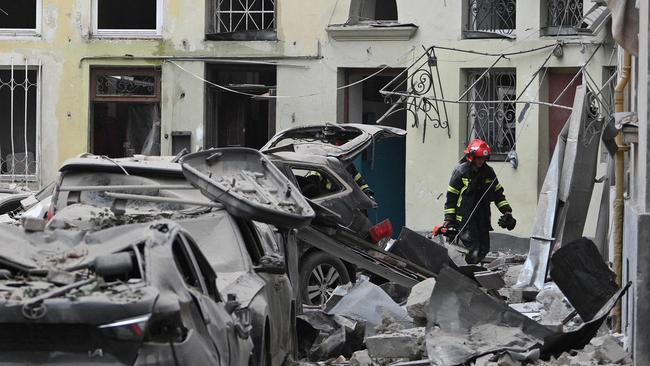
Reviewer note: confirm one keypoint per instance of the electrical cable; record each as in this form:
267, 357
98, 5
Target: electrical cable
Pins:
525, 121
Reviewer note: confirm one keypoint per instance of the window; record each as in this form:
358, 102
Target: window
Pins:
204, 268
18, 122
372, 11
127, 18
186, 265
569, 17
491, 18
20, 17
491, 111
125, 111
241, 20
315, 182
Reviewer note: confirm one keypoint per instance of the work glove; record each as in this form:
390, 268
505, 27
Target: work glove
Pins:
451, 230
506, 221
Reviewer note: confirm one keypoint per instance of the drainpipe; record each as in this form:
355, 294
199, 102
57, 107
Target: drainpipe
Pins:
619, 101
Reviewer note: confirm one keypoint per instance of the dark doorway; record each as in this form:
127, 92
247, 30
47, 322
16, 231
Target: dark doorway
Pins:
383, 168
559, 79
240, 112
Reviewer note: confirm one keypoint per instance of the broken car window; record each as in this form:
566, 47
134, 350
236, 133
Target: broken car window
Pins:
185, 265
315, 182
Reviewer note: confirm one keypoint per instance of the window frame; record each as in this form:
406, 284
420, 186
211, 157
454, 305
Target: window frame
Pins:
212, 26
20, 32
494, 93
37, 110
471, 29
337, 180
150, 71
194, 267
127, 33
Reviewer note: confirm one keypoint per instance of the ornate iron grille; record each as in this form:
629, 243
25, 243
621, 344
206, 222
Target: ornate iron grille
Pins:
244, 15
492, 122
564, 13
120, 85
492, 16
18, 123
418, 91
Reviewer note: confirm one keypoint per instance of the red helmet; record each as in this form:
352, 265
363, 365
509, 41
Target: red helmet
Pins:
477, 148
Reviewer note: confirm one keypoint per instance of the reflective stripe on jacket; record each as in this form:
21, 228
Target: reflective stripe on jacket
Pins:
466, 187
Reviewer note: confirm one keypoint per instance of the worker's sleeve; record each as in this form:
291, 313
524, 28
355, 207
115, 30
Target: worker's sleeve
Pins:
499, 197
453, 193
358, 178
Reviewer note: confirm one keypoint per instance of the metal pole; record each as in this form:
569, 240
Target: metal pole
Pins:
619, 101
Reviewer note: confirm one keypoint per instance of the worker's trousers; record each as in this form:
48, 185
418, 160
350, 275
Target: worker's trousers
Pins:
477, 240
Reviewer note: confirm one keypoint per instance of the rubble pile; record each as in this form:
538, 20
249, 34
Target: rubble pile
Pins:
472, 315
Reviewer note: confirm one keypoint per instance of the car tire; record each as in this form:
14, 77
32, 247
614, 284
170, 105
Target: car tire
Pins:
320, 273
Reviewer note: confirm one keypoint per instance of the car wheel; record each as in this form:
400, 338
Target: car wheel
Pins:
320, 273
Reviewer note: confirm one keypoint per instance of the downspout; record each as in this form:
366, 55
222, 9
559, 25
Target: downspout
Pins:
619, 101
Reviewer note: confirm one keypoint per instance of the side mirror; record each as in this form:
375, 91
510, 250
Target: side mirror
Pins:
273, 264
231, 303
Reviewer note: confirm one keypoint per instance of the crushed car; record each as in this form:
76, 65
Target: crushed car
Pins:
131, 294
319, 160
246, 255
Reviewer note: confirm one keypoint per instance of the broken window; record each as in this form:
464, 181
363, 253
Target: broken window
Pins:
372, 11
241, 20
491, 109
18, 121
125, 110
127, 18
20, 17
491, 18
568, 17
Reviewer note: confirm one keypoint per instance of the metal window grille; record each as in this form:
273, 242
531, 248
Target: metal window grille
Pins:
19, 121
491, 111
492, 16
244, 15
564, 13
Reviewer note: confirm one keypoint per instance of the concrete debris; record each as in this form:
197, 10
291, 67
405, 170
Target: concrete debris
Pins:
555, 307
512, 272
418, 301
360, 358
407, 343
609, 350
490, 280
368, 303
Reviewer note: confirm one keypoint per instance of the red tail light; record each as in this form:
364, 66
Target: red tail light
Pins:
381, 231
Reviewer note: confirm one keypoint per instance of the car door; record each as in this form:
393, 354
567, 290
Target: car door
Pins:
278, 290
225, 330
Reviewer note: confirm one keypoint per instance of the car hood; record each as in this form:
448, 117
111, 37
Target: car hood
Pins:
342, 141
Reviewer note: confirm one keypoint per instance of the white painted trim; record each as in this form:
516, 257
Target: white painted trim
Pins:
35, 32
128, 33
370, 33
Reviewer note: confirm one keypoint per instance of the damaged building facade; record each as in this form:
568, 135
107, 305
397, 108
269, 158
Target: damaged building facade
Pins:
119, 78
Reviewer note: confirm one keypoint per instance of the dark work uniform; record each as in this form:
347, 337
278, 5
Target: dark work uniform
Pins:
466, 187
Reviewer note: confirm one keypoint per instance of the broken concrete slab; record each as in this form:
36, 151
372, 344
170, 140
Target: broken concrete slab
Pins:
422, 251
464, 322
610, 351
361, 358
490, 280
407, 343
367, 302
418, 301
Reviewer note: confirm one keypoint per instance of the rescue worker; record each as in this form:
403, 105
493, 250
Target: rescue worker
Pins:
474, 184
325, 185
